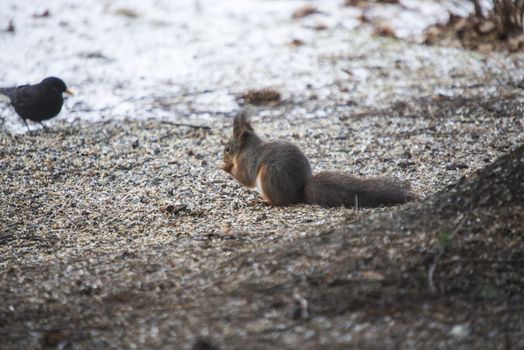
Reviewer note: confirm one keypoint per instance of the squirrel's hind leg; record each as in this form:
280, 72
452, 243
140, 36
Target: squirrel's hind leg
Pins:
277, 188
261, 185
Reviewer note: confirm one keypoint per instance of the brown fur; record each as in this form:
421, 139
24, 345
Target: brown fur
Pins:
332, 189
261, 175
284, 176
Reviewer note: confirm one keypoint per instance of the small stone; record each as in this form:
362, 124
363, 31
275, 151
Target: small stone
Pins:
486, 27
456, 166
459, 331
173, 209
297, 42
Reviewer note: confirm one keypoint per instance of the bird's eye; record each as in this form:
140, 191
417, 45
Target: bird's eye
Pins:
228, 149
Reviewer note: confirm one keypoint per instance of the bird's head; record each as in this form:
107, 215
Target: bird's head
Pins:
56, 84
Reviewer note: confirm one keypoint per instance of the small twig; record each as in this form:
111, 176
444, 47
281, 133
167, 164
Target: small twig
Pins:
431, 270
167, 135
6, 238
433, 266
347, 71
205, 127
478, 9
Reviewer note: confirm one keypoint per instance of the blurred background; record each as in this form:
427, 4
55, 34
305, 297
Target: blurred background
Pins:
196, 58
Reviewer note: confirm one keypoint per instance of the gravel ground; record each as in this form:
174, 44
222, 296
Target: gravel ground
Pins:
124, 233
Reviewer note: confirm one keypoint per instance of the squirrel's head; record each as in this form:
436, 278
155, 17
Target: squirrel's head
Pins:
242, 131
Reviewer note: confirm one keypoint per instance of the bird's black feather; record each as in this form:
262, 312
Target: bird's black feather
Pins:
37, 102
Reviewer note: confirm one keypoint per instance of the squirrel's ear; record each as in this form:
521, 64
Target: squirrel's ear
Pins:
241, 124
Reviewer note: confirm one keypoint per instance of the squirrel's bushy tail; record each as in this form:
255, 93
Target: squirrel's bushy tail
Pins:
331, 189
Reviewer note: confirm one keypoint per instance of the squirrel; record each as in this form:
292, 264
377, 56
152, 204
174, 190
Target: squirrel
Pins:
282, 173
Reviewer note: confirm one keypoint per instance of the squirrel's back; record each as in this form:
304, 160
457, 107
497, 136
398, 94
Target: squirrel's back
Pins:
282, 173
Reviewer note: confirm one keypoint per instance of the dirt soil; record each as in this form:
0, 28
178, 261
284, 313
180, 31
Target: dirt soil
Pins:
119, 230
126, 235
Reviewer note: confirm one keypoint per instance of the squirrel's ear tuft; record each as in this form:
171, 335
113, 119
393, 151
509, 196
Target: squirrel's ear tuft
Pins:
241, 124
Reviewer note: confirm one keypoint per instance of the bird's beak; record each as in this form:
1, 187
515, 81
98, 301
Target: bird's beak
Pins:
69, 92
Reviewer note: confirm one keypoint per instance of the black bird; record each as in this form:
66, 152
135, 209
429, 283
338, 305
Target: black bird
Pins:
38, 102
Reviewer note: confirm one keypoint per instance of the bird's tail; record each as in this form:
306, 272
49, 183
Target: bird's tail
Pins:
331, 189
7, 91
